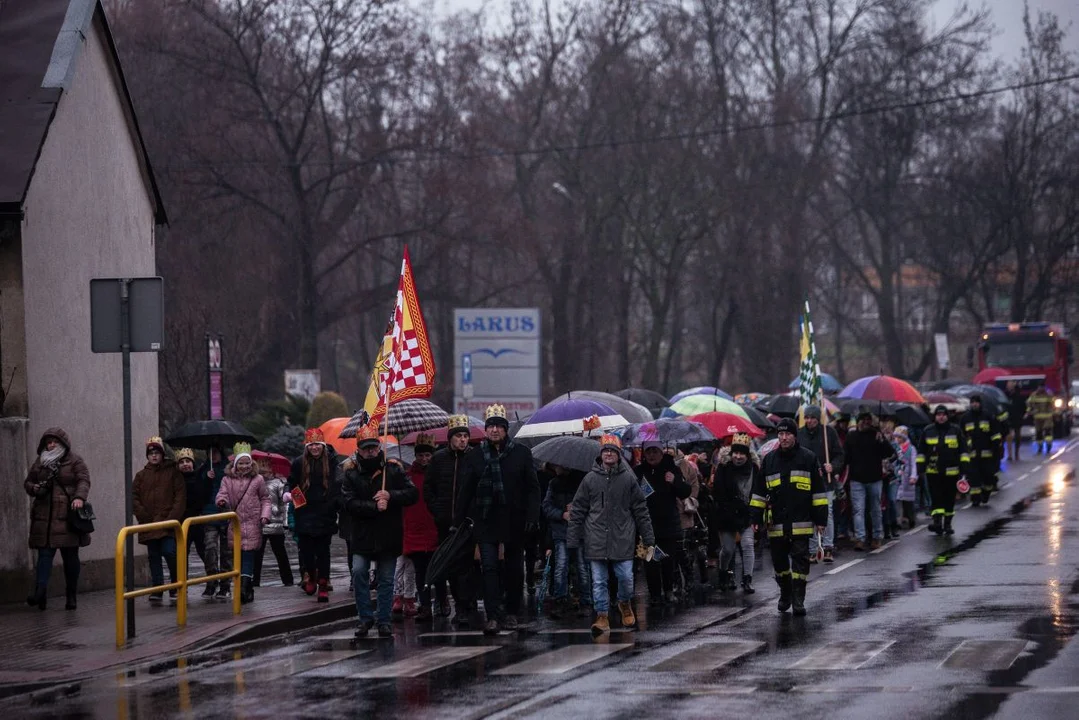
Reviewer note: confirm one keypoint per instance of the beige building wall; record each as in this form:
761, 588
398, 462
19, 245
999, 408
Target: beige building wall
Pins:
88, 213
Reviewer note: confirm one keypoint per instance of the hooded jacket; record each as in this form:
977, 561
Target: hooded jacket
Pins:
53, 491
247, 497
158, 493
275, 489
376, 532
662, 504
609, 512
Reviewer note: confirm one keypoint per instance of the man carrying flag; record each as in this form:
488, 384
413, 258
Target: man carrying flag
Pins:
821, 438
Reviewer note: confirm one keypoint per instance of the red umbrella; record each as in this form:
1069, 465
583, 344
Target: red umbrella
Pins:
441, 435
884, 388
280, 464
723, 424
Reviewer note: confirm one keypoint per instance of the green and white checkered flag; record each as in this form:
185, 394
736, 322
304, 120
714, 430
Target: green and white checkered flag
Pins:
809, 389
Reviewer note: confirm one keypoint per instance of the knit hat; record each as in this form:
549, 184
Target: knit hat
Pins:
902, 431
155, 443
457, 424
610, 442
313, 436
811, 411
940, 409
425, 442
787, 425
740, 442
496, 415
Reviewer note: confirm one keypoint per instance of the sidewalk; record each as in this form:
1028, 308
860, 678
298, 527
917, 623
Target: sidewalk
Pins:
43, 647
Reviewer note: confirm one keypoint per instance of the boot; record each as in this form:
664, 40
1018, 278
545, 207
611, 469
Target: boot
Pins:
784, 592
747, 585
38, 597
798, 588
222, 590
628, 618
72, 600
398, 605
601, 625
948, 525
309, 585
424, 614
247, 589
409, 609
323, 590
936, 528
208, 590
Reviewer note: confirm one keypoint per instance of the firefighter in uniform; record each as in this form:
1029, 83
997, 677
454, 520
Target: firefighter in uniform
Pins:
985, 439
1040, 407
791, 484
942, 455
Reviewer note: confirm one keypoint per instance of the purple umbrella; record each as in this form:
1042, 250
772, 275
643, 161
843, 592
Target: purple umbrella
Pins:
565, 417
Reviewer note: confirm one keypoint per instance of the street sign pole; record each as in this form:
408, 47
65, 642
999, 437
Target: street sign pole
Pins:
129, 511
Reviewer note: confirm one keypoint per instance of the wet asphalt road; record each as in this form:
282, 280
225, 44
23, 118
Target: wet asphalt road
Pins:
971, 627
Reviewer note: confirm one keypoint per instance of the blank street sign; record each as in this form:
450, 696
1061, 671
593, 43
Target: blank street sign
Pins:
425, 662
984, 654
563, 660
845, 655
709, 656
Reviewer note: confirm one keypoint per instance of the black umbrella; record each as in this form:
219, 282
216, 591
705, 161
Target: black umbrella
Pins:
205, 434
669, 431
452, 556
758, 418
569, 451
782, 405
905, 414
649, 398
994, 401
853, 406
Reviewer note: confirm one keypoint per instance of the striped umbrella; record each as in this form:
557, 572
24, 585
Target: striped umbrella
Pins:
884, 388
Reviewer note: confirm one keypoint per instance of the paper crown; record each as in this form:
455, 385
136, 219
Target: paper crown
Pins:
457, 422
241, 448
495, 411
610, 441
740, 439
425, 440
185, 454
591, 423
366, 434
155, 440
313, 435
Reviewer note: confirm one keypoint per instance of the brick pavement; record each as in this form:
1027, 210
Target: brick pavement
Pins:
56, 645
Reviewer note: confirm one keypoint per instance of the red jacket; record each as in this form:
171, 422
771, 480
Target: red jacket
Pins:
421, 535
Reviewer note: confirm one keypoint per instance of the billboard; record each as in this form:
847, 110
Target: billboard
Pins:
497, 360
305, 383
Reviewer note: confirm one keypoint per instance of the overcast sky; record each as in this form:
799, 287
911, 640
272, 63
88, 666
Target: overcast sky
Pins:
1007, 16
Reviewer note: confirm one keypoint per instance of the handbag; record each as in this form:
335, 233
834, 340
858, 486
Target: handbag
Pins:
81, 520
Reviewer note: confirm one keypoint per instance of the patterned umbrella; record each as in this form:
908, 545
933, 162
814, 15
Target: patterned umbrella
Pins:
882, 387
724, 424
701, 390
567, 417
626, 408
404, 417
750, 399
697, 404
669, 431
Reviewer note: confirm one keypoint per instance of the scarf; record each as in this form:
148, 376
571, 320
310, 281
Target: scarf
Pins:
51, 458
489, 490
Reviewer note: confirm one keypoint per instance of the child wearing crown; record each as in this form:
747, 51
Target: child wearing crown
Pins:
243, 491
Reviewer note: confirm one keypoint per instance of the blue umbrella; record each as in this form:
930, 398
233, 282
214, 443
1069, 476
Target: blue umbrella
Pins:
702, 390
828, 383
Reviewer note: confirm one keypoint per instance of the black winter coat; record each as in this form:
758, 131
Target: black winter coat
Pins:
504, 523
790, 482
197, 493
662, 507
813, 440
866, 452
376, 532
319, 515
731, 513
441, 485
560, 493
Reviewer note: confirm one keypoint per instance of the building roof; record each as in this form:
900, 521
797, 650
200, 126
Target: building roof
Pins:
40, 45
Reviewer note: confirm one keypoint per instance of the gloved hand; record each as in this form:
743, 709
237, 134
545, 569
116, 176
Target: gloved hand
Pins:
286, 498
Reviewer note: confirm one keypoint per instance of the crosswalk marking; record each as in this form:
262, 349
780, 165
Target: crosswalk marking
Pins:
296, 664
984, 654
563, 660
696, 690
708, 656
424, 662
462, 633
843, 655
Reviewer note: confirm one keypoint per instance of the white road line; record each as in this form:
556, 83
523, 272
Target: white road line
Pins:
984, 654
708, 656
968, 506
884, 547
1024, 476
844, 566
695, 690
917, 530
748, 616
562, 660
425, 662
845, 655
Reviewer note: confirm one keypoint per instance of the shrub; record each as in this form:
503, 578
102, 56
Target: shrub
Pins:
287, 441
270, 416
326, 406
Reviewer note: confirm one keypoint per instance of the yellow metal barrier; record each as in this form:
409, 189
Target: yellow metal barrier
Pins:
181, 562
182, 581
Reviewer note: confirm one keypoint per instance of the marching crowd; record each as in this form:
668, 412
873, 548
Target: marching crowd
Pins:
675, 511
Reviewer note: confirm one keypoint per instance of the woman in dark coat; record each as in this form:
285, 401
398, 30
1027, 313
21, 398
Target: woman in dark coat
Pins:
58, 480
314, 478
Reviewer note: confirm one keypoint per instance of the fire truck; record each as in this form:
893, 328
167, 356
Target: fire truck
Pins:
1025, 356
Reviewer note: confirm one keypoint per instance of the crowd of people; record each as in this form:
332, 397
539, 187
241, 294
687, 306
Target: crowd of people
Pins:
672, 512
